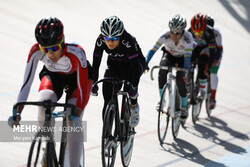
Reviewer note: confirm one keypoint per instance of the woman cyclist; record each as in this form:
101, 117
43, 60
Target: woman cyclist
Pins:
216, 64
125, 61
206, 50
64, 64
177, 51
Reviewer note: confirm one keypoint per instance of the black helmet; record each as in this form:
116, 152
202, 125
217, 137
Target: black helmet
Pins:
210, 20
49, 31
112, 27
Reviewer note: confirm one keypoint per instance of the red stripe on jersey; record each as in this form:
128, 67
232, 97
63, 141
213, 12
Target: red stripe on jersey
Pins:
33, 49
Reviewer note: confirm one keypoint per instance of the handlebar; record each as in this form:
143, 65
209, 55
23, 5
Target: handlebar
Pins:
167, 68
46, 104
115, 81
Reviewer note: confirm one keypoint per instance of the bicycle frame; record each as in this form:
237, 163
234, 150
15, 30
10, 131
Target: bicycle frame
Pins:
121, 132
172, 86
117, 86
169, 110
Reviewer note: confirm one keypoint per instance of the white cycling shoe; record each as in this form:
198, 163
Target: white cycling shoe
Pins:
135, 117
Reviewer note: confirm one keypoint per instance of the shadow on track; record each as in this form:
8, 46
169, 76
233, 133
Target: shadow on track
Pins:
222, 125
185, 150
240, 4
210, 135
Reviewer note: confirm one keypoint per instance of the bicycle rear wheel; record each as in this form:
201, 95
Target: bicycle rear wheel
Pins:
109, 135
163, 114
128, 136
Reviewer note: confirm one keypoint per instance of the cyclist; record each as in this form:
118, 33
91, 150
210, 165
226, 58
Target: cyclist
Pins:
64, 64
125, 60
205, 51
177, 50
215, 66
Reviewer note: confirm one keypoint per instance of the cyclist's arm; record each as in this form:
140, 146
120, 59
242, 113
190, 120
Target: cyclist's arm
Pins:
83, 83
188, 51
97, 57
218, 39
34, 56
211, 43
156, 46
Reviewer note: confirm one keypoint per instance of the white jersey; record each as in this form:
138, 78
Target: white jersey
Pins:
184, 47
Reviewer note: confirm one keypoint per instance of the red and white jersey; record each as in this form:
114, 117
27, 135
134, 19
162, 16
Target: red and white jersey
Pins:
73, 59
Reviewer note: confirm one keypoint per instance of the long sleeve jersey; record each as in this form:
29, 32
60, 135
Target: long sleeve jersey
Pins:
207, 40
73, 59
183, 48
128, 49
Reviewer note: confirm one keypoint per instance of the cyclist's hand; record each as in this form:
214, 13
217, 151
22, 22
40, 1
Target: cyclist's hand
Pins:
14, 122
94, 91
75, 121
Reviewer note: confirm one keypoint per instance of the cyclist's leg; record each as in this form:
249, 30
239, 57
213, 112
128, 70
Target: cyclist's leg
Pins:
182, 88
47, 92
203, 60
75, 139
51, 88
132, 72
162, 75
214, 82
107, 88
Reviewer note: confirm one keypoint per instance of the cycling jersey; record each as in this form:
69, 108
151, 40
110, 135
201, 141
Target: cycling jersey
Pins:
218, 40
182, 49
207, 40
73, 60
128, 49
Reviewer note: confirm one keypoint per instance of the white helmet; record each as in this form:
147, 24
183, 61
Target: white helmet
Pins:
177, 23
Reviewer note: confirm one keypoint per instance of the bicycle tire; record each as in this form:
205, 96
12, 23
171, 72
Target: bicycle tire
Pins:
208, 100
196, 106
63, 144
176, 121
35, 155
109, 135
128, 133
163, 114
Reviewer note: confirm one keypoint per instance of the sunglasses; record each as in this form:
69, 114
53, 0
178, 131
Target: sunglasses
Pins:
112, 39
198, 33
53, 48
176, 32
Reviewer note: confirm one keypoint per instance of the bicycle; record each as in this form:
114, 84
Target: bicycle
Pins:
116, 125
48, 146
170, 104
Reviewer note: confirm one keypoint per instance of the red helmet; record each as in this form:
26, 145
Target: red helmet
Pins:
198, 23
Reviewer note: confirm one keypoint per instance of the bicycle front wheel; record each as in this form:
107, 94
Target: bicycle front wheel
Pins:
176, 121
128, 136
109, 135
163, 114
37, 153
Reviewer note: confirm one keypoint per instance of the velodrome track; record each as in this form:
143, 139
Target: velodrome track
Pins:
222, 141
